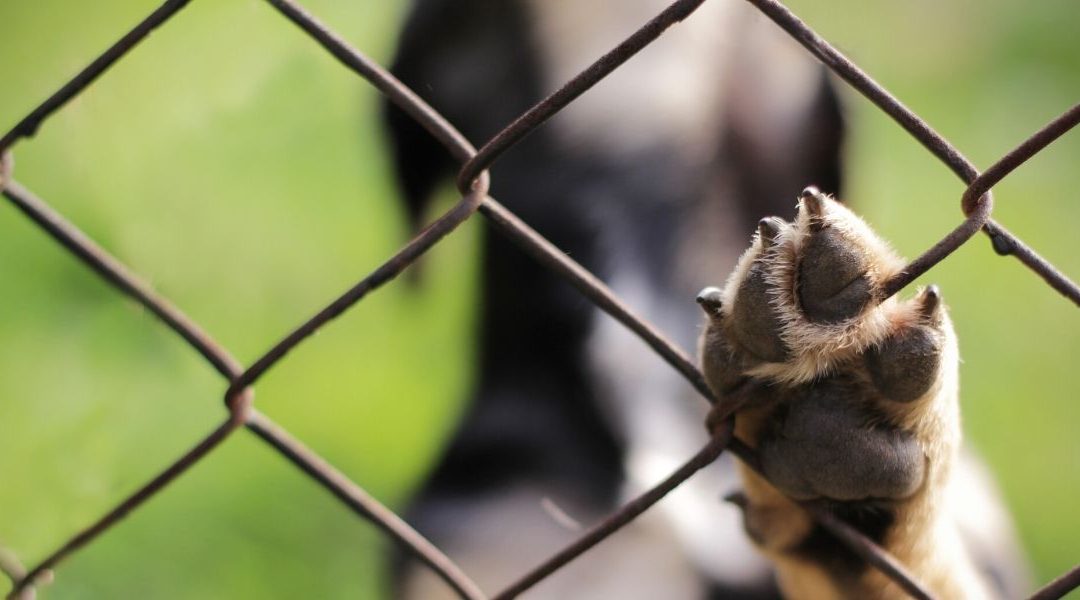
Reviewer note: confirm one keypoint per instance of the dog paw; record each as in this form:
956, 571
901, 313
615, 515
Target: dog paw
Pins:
852, 394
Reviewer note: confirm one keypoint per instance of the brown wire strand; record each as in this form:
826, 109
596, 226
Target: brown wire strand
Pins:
1067, 582
461, 150
630, 511
117, 275
861, 81
114, 272
129, 504
1019, 155
30, 123
14, 570
536, 116
1004, 242
588, 284
858, 543
870, 552
362, 503
387, 271
976, 202
394, 90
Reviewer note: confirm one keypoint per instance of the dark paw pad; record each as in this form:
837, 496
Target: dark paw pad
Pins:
833, 284
755, 321
827, 442
906, 364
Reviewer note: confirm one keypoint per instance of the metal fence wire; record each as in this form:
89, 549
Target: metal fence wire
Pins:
472, 180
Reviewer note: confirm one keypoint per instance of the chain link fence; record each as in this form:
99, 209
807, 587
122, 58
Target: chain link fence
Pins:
976, 204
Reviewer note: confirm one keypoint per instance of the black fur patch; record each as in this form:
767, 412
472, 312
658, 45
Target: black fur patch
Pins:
821, 547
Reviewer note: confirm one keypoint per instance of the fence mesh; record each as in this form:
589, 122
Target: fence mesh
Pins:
976, 204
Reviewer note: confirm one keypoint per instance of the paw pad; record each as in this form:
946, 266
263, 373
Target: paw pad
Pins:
851, 375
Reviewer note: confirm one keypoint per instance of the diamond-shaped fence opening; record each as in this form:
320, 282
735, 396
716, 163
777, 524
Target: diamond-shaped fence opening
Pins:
241, 379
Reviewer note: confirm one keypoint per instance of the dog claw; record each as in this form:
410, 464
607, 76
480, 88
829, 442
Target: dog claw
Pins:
769, 229
709, 299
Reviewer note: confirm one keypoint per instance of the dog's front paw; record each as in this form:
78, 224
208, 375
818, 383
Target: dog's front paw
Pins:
851, 394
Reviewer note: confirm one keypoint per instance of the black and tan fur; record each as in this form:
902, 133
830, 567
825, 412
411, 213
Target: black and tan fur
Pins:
650, 180
853, 405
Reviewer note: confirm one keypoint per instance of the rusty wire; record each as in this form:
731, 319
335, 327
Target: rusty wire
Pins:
14, 571
976, 204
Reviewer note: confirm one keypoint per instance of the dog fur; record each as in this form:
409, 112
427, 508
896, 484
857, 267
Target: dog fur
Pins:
650, 180
857, 408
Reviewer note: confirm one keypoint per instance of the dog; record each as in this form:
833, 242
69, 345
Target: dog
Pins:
651, 180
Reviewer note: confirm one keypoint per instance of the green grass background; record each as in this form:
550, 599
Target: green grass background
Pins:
241, 170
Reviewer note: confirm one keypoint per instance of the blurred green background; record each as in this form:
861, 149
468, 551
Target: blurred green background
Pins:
241, 170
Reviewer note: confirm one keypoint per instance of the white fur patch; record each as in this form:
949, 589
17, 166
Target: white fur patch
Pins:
662, 422
670, 91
